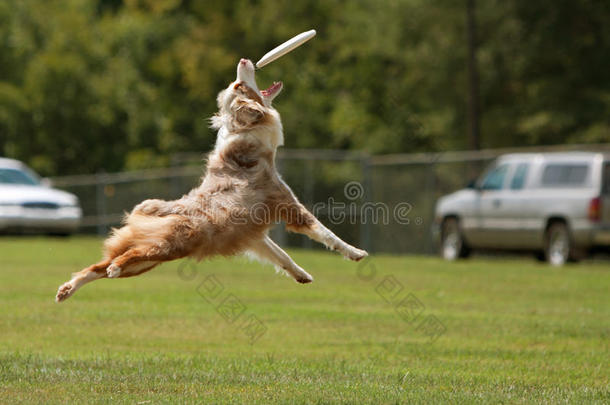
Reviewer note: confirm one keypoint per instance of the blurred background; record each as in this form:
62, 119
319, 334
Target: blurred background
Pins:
111, 98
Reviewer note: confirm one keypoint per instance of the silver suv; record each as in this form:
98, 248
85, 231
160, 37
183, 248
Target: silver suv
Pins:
556, 204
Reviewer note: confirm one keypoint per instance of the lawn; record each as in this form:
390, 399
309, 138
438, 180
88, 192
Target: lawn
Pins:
395, 329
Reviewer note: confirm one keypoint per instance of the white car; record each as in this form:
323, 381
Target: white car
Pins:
552, 203
28, 204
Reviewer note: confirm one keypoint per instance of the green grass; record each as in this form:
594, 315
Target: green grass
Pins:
513, 331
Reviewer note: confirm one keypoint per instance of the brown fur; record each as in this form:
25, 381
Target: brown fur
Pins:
239, 199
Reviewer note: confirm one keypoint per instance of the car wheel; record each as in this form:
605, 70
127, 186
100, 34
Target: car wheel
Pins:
453, 245
59, 234
540, 256
558, 247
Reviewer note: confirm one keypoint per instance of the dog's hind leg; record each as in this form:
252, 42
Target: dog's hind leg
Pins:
81, 278
137, 261
267, 250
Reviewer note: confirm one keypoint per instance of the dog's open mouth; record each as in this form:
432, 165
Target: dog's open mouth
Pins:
272, 90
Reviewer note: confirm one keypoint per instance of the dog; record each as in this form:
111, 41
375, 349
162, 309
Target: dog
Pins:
239, 199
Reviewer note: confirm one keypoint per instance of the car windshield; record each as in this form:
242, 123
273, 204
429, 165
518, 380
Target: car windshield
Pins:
494, 179
15, 176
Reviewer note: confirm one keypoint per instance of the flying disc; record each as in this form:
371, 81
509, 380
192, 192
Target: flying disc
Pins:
286, 47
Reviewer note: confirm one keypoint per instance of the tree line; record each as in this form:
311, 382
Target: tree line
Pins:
110, 85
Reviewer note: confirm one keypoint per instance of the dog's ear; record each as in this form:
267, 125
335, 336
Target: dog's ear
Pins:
246, 113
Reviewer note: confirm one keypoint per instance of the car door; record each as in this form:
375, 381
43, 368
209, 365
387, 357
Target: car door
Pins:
518, 232
494, 224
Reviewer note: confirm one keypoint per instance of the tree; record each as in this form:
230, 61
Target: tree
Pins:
109, 85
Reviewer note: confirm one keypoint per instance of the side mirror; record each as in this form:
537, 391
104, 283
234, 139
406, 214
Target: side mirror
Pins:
46, 182
472, 185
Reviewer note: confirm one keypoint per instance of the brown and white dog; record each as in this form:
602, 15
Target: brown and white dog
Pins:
239, 199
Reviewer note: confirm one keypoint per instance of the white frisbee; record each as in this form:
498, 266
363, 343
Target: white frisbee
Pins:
286, 47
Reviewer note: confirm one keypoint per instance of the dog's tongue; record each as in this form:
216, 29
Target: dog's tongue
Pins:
272, 89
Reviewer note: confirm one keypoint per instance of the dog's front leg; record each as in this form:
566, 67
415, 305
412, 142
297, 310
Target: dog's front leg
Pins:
299, 219
155, 207
266, 249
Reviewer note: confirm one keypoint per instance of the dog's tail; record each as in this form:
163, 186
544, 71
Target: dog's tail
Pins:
139, 230
119, 241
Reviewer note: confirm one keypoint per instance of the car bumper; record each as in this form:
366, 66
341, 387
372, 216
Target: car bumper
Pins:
601, 236
589, 234
63, 219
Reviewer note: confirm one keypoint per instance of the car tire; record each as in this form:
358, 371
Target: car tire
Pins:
453, 245
558, 247
540, 256
59, 234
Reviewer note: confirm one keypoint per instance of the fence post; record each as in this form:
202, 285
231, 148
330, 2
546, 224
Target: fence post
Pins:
308, 183
430, 187
174, 182
100, 203
367, 186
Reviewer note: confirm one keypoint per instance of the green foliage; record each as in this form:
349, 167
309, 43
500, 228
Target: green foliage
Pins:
86, 84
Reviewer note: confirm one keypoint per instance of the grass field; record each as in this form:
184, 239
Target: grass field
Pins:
391, 330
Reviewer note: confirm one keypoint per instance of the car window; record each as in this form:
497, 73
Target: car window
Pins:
494, 180
565, 174
518, 180
606, 178
14, 176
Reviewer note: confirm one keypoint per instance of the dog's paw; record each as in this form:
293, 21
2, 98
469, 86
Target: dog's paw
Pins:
145, 207
113, 271
64, 292
305, 278
356, 254
149, 207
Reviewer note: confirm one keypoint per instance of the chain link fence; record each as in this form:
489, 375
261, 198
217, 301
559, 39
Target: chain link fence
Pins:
381, 203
